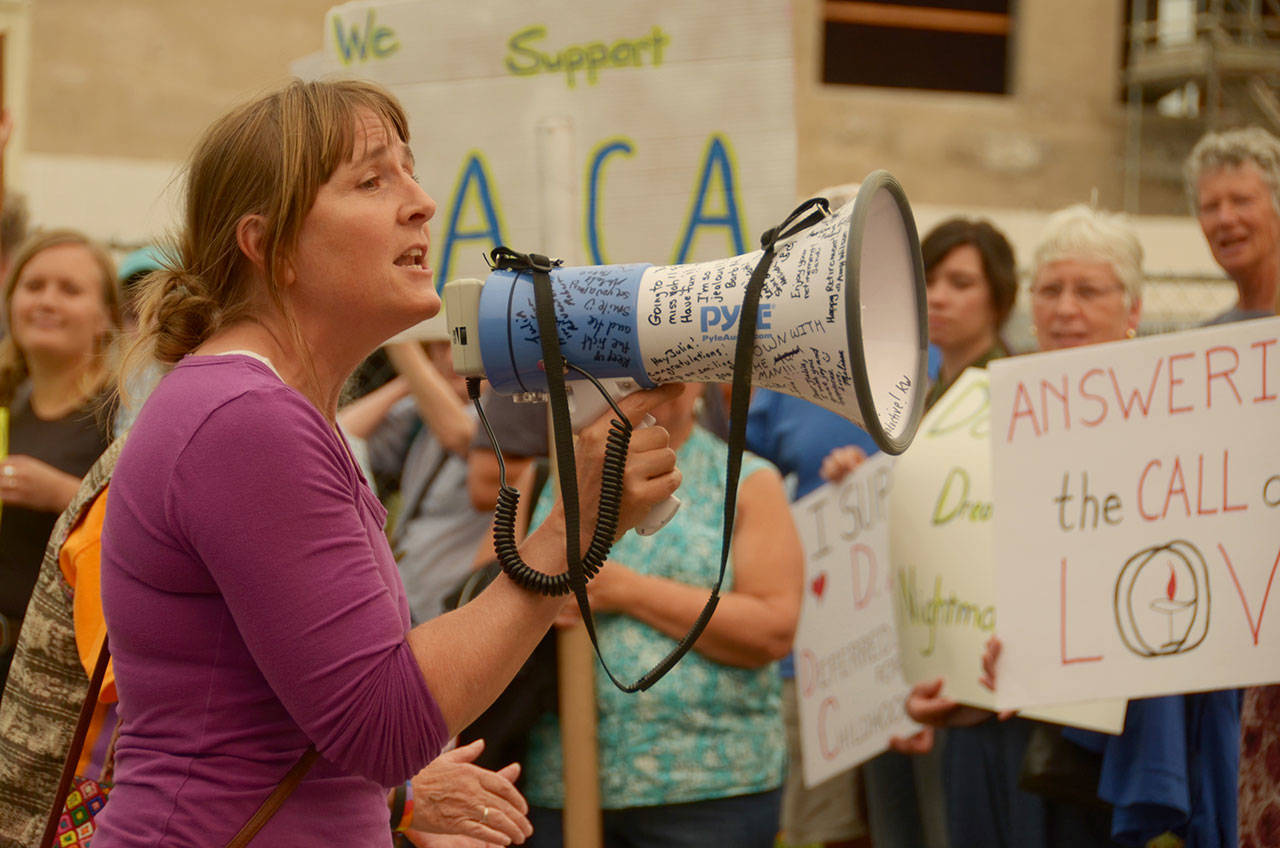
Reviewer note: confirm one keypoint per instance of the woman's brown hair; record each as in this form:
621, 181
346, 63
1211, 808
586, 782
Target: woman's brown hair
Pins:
13, 362
269, 158
996, 252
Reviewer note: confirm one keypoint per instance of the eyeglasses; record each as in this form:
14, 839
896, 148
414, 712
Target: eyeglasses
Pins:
1085, 295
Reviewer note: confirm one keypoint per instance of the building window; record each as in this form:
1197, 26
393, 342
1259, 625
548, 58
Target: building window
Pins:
942, 45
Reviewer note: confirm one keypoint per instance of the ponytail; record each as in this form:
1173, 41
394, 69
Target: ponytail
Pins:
176, 314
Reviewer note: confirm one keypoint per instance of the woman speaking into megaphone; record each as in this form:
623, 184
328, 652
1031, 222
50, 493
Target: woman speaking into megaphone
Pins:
258, 623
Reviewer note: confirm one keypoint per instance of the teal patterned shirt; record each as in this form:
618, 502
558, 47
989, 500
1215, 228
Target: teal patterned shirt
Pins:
706, 730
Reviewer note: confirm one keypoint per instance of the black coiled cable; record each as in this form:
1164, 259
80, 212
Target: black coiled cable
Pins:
611, 484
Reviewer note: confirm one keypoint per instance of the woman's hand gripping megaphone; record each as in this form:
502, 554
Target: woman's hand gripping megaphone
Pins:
651, 475
587, 404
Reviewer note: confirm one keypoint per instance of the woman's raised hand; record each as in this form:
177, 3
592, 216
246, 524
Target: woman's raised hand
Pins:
840, 462
920, 742
28, 482
927, 705
990, 658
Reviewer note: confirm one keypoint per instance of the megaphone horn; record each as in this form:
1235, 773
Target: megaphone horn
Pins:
841, 320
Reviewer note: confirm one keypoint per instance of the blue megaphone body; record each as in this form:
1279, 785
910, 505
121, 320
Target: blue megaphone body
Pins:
841, 320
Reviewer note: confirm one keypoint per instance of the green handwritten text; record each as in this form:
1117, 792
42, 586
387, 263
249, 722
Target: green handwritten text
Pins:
375, 42
953, 501
525, 60
936, 611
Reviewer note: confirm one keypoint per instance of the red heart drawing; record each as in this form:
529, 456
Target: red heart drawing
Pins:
819, 584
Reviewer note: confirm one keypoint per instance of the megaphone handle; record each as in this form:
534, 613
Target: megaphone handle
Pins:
586, 405
661, 513
659, 516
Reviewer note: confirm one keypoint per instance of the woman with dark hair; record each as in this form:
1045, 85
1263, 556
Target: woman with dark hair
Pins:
972, 284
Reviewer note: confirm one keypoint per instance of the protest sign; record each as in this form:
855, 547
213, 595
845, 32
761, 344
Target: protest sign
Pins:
681, 117
941, 540
1138, 549
849, 686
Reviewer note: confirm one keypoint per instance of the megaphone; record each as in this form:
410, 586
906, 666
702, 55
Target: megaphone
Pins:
841, 319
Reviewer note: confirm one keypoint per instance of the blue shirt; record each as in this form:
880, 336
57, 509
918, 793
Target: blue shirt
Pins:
797, 435
1174, 768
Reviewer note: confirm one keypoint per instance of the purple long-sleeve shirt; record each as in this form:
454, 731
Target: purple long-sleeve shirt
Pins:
253, 607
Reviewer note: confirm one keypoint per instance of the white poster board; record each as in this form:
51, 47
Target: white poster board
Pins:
941, 541
680, 116
849, 685
1138, 551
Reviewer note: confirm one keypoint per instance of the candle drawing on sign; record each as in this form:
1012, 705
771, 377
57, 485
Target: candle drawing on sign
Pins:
1158, 617
1170, 605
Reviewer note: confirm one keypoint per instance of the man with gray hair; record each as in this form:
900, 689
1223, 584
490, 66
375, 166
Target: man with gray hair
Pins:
1233, 182
1233, 178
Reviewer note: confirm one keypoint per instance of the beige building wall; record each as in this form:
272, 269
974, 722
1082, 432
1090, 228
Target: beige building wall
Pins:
1055, 138
111, 94
141, 78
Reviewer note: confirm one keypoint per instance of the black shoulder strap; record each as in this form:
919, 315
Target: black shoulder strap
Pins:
540, 267
408, 512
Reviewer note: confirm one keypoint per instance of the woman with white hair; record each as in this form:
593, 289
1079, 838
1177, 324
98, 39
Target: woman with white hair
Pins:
1087, 282
1233, 183
1168, 771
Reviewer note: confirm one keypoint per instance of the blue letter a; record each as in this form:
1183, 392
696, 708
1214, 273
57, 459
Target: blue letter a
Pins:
716, 161
473, 179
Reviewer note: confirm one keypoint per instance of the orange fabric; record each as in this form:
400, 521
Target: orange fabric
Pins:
80, 562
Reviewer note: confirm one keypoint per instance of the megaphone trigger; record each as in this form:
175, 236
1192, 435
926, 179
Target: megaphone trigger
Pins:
586, 404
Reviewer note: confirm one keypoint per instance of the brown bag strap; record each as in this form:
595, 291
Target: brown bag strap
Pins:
251, 827
275, 799
77, 745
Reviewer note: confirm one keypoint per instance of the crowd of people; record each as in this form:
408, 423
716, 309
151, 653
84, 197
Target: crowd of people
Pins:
285, 580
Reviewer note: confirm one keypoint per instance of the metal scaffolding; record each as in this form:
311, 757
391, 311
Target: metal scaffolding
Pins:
1194, 66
